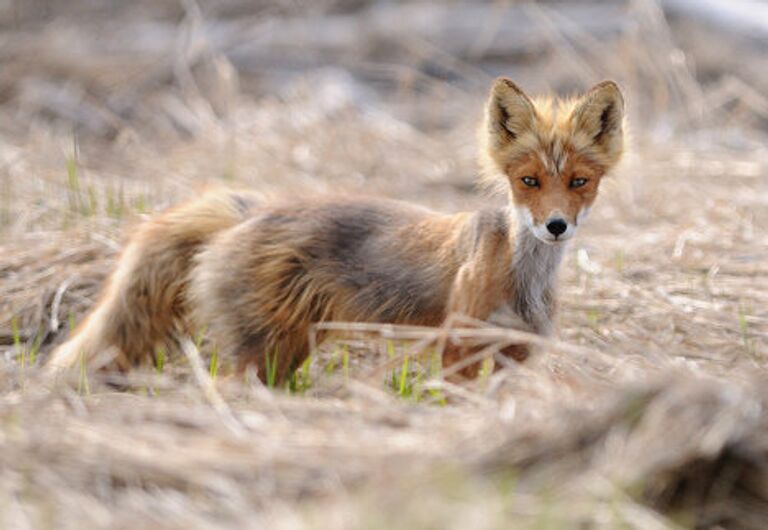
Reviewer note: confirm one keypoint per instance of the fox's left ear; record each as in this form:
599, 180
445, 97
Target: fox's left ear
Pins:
509, 114
598, 118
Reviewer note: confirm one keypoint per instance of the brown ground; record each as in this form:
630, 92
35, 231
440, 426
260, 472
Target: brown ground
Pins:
649, 412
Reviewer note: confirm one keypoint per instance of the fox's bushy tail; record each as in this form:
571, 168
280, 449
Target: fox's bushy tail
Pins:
142, 305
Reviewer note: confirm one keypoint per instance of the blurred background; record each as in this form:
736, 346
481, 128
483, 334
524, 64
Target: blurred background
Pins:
349, 92
171, 69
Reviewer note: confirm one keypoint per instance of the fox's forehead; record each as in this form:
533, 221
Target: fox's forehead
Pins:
552, 141
554, 161
553, 155
554, 113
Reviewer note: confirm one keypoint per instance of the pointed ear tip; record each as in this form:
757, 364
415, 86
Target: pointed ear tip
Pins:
503, 84
609, 85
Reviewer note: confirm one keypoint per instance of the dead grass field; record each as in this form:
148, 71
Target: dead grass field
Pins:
648, 412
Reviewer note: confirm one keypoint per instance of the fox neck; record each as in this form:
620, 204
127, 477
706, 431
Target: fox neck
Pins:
534, 277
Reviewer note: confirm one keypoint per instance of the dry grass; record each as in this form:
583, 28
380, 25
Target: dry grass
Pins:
649, 412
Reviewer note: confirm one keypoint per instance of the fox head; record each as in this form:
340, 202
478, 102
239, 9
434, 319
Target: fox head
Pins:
553, 153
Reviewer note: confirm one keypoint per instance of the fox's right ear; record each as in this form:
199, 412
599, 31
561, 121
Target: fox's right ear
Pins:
509, 113
599, 117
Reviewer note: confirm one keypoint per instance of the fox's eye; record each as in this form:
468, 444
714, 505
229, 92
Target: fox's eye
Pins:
531, 182
578, 182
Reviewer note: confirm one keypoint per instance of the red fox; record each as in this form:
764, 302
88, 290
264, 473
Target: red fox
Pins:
258, 275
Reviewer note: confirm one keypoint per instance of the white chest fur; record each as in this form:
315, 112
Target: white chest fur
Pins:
534, 275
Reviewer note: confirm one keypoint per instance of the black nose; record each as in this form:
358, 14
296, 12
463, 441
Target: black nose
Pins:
557, 227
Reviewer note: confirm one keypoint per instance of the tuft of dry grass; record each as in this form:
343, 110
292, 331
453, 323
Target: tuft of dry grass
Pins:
648, 411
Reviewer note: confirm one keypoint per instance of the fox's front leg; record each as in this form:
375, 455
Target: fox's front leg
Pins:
471, 303
467, 300
482, 290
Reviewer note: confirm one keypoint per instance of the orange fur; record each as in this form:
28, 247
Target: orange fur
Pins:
258, 275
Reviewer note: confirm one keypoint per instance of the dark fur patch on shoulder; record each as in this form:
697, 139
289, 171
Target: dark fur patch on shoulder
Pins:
349, 230
385, 283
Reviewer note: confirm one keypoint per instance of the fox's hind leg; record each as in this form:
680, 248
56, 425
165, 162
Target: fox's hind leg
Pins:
275, 358
251, 290
143, 304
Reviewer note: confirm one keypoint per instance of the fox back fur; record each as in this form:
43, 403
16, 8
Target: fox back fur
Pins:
258, 275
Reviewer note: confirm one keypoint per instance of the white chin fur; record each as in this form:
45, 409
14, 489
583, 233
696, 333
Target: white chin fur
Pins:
540, 229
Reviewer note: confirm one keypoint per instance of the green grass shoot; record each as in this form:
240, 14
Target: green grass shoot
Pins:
300, 380
403, 381
403, 386
160, 359
18, 347
83, 202
436, 372
115, 202
200, 337
390, 349
83, 386
744, 330
73, 185
486, 369
271, 366
140, 204
36, 343
213, 367
330, 366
